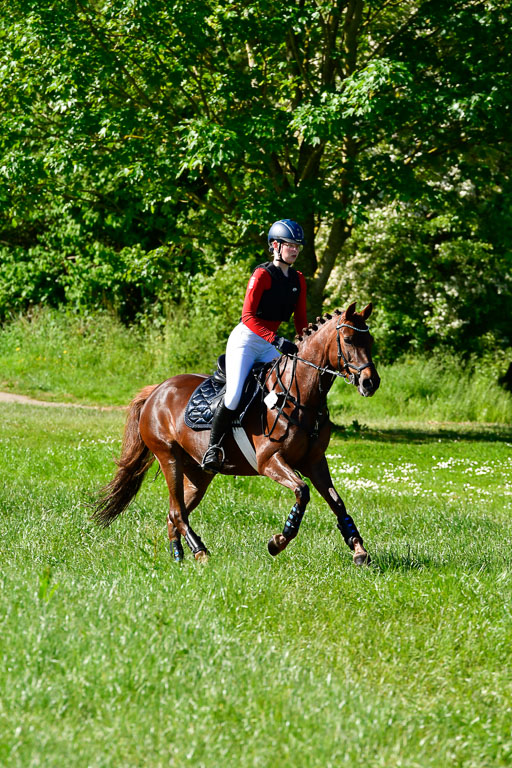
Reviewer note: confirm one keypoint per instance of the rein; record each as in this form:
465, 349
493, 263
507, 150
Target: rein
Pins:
343, 372
288, 398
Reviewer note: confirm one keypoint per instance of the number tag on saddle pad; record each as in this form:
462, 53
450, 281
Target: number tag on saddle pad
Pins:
270, 400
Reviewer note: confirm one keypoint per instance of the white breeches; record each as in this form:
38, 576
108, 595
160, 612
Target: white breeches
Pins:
244, 348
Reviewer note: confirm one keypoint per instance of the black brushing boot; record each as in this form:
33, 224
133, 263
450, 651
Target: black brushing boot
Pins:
214, 456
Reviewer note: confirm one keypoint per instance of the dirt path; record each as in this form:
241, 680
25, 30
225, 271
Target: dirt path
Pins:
10, 397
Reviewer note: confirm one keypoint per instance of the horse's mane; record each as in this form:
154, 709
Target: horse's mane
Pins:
313, 327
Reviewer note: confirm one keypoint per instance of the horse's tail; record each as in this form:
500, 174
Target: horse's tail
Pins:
134, 462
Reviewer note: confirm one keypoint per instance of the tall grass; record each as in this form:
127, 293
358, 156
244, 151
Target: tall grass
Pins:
95, 359
439, 388
98, 360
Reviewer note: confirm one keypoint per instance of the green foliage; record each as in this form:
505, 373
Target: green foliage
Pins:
433, 282
132, 282
143, 144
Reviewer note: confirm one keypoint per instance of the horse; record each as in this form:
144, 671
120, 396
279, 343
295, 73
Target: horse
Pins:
289, 434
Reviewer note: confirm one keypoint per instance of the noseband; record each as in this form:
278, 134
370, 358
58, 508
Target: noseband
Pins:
348, 366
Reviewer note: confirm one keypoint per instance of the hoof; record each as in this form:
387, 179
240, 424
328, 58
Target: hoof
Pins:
202, 556
272, 547
362, 559
276, 544
360, 556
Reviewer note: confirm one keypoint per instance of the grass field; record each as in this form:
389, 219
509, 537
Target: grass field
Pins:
114, 656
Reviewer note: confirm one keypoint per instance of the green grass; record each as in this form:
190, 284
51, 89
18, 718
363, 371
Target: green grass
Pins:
114, 656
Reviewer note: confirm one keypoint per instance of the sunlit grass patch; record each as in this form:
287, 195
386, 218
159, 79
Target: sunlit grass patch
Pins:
470, 479
436, 388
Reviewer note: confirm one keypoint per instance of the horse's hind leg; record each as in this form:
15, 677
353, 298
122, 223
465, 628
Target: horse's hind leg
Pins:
175, 545
195, 484
185, 493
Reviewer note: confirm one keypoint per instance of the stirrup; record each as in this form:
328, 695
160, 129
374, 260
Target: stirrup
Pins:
213, 459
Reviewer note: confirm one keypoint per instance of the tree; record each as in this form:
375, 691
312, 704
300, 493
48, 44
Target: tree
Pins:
190, 126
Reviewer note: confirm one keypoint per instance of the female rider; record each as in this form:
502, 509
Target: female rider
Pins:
275, 291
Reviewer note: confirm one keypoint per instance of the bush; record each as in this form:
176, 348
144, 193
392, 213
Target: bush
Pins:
433, 284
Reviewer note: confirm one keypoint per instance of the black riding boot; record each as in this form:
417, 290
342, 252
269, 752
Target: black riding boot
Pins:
214, 456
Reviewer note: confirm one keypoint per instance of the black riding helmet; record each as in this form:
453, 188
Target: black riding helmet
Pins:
286, 231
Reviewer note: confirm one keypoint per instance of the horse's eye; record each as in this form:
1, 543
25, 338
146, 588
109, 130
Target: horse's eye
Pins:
347, 340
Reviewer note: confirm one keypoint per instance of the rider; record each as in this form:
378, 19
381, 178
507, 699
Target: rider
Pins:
275, 291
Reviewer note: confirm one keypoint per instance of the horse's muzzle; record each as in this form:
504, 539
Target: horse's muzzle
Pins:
369, 384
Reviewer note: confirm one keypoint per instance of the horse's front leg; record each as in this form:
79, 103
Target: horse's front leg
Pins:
321, 478
279, 471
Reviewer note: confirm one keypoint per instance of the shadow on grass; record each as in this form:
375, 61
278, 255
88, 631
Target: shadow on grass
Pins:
392, 560
410, 559
420, 434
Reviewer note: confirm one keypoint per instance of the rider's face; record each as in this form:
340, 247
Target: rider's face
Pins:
289, 251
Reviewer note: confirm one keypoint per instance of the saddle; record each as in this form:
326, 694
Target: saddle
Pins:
206, 397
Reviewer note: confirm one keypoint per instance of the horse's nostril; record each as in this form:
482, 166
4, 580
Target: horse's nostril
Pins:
367, 384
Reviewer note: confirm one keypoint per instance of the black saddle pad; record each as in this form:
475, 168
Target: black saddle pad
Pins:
205, 398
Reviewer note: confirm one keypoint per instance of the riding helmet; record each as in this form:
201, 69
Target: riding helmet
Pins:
286, 230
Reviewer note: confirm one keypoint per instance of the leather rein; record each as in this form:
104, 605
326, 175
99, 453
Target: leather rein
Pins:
349, 372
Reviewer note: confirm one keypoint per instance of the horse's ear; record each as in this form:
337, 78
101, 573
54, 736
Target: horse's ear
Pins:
366, 312
350, 310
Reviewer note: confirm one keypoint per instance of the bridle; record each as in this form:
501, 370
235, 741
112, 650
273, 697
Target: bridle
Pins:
349, 372
348, 366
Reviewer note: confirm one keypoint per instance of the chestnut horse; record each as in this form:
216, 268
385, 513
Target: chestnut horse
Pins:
289, 437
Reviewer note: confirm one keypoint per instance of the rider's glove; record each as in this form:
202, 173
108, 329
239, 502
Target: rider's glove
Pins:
285, 346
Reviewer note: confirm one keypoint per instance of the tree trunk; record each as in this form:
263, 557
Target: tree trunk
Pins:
341, 227
340, 232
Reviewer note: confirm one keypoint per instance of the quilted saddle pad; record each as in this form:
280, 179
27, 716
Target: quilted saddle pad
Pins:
205, 398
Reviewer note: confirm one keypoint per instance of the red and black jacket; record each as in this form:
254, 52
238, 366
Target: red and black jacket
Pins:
271, 298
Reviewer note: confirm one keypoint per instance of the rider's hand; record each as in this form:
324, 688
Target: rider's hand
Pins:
285, 346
